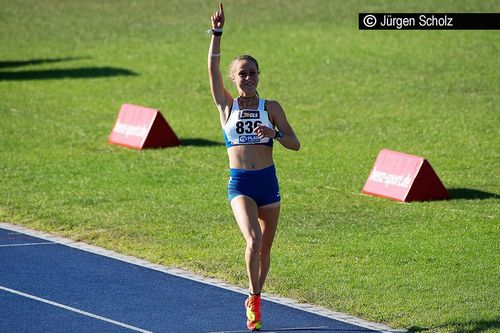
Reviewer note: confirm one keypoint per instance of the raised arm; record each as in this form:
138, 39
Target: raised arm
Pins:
222, 98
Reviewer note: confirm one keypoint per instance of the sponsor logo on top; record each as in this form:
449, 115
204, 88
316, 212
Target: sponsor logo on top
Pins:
249, 114
248, 138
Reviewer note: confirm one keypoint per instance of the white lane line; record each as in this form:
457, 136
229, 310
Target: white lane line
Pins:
69, 308
28, 244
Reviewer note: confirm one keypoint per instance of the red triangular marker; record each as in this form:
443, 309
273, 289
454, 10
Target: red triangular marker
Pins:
139, 127
427, 185
404, 177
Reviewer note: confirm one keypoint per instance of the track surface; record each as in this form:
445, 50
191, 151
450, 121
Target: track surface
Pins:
46, 286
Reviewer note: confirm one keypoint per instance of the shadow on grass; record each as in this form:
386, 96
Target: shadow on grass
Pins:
471, 194
63, 73
477, 326
20, 63
198, 142
70, 73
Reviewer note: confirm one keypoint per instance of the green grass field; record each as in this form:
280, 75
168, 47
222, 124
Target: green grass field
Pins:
67, 66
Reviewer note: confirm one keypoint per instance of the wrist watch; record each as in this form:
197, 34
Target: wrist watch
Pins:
278, 135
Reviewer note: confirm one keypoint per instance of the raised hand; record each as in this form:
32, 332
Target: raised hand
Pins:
218, 18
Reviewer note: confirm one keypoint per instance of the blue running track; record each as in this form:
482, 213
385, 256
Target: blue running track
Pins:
48, 286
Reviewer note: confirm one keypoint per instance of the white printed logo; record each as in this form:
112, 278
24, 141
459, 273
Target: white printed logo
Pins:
389, 179
130, 130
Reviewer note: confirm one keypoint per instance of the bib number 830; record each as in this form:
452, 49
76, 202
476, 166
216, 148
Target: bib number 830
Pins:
247, 126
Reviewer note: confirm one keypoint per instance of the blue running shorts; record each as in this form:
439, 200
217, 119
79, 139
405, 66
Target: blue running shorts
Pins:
260, 185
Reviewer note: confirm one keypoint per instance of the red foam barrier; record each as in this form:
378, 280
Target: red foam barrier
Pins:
405, 178
139, 127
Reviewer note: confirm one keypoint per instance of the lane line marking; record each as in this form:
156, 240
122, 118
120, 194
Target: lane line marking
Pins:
28, 244
69, 308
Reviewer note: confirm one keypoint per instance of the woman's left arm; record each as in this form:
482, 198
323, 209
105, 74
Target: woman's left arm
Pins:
278, 117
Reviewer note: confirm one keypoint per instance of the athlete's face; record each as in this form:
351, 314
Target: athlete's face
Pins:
246, 77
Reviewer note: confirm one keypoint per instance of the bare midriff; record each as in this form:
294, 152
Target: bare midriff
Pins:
250, 157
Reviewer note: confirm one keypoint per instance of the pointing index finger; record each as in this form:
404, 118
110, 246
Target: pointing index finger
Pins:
221, 7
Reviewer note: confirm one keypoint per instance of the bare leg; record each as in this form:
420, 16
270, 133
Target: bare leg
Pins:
246, 213
268, 220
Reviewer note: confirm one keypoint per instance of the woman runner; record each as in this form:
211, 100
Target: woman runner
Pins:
250, 125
